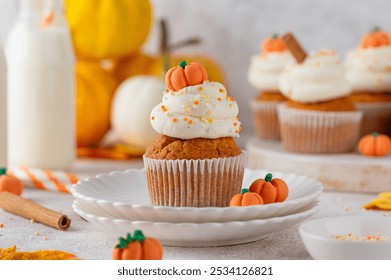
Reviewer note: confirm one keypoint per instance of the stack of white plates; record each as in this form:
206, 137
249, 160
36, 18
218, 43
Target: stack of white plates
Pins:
119, 201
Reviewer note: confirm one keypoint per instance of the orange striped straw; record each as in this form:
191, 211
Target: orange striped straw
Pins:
45, 179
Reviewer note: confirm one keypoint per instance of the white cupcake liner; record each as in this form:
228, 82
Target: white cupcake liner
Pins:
265, 117
194, 183
376, 117
319, 132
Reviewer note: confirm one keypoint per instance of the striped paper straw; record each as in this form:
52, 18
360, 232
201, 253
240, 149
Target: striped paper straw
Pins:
45, 179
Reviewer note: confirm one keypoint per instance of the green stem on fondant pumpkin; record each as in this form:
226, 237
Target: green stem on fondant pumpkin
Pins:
182, 64
3, 171
122, 243
138, 236
275, 35
375, 134
268, 177
375, 29
245, 191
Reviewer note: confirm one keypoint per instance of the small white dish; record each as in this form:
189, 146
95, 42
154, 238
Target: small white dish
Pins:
198, 234
124, 195
320, 238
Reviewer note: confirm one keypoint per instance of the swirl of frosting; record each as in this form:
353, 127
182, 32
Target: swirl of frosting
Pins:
369, 69
199, 111
265, 69
319, 78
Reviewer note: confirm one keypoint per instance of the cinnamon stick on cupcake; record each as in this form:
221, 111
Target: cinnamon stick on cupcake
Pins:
195, 161
318, 117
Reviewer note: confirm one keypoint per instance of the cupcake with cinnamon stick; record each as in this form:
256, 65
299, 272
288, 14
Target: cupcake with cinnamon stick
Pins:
195, 161
368, 68
264, 72
318, 117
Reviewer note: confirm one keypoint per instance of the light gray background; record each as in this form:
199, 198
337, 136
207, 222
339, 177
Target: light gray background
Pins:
232, 30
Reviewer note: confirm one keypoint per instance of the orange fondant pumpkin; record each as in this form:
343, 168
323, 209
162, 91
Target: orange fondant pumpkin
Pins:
138, 247
375, 144
246, 198
270, 189
9, 183
273, 44
374, 39
185, 75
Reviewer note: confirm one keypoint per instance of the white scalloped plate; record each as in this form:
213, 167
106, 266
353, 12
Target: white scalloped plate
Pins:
199, 234
124, 195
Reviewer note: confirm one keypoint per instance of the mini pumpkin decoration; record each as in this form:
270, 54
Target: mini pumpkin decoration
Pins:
375, 144
270, 189
9, 183
374, 39
185, 75
131, 107
138, 247
273, 44
246, 198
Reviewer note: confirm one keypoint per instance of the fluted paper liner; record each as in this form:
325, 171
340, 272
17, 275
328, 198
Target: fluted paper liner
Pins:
376, 117
319, 132
265, 116
194, 183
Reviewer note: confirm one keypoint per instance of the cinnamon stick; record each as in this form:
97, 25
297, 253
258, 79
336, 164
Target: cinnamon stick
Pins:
31, 210
294, 47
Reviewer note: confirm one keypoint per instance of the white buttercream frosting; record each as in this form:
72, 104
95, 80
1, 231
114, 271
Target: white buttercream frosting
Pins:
200, 111
319, 78
265, 69
369, 69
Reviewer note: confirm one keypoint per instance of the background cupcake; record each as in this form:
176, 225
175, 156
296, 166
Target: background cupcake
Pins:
318, 118
265, 69
369, 71
195, 161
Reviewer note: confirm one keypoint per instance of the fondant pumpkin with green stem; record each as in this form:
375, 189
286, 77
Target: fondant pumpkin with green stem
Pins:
270, 189
246, 198
375, 144
9, 183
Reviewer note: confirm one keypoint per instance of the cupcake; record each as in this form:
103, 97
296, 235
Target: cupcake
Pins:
368, 68
318, 117
194, 162
264, 72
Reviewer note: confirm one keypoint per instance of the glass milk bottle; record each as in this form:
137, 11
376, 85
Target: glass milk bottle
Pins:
3, 111
41, 88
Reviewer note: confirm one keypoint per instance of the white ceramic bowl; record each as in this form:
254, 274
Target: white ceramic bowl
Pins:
319, 238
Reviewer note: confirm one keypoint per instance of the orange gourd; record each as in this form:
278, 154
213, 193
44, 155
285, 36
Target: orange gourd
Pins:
9, 183
375, 144
138, 247
270, 189
273, 44
374, 39
246, 198
185, 75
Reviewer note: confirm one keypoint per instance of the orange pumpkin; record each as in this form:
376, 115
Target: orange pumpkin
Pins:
9, 183
138, 247
375, 144
270, 189
185, 75
374, 39
246, 198
273, 44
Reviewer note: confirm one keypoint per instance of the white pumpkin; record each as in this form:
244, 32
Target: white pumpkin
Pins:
131, 108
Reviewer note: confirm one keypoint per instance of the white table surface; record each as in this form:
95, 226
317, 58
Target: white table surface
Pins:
93, 242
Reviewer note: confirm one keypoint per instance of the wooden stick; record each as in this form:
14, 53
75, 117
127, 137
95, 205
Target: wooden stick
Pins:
295, 48
31, 210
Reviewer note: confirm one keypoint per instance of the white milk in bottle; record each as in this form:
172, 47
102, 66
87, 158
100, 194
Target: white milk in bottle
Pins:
41, 88
3, 111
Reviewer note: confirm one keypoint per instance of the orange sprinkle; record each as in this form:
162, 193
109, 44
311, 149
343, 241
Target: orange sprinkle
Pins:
1, 225
237, 131
200, 88
230, 98
164, 109
221, 90
166, 90
185, 119
174, 120
235, 124
219, 99
153, 118
196, 102
190, 122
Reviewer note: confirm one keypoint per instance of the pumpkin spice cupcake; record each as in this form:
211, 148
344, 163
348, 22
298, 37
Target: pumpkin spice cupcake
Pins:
368, 68
195, 161
319, 117
263, 74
